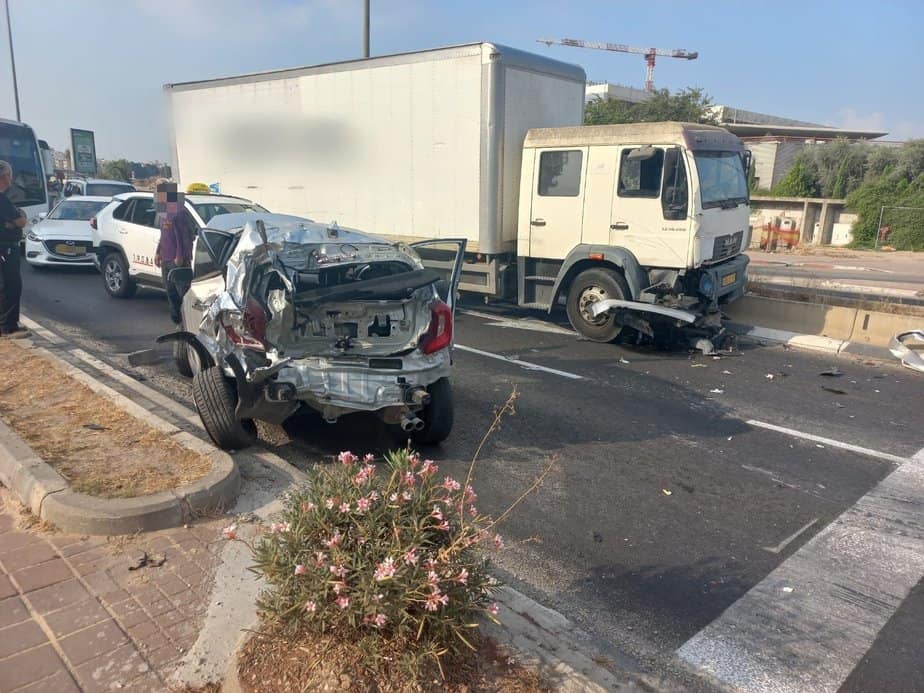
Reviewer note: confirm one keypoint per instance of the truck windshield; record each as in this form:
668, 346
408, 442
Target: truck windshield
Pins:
19, 148
722, 182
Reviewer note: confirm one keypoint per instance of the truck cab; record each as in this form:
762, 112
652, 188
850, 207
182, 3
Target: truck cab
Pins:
647, 220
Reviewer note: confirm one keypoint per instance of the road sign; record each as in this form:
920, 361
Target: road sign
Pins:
83, 145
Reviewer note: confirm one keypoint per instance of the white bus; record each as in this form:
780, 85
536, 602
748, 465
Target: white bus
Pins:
19, 147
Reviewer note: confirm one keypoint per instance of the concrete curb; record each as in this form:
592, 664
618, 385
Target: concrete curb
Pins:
48, 495
811, 342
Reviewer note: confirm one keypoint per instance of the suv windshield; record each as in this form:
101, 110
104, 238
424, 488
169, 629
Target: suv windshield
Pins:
721, 178
108, 189
207, 210
76, 210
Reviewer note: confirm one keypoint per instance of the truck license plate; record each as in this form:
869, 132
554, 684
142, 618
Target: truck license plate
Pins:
63, 249
729, 279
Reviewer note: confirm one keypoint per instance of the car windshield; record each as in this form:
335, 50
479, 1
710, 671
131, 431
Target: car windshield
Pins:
108, 189
19, 148
207, 210
76, 210
722, 180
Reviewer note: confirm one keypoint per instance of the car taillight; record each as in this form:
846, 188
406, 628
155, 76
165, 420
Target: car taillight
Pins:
439, 334
93, 223
253, 327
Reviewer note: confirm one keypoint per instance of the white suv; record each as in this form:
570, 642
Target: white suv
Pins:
125, 236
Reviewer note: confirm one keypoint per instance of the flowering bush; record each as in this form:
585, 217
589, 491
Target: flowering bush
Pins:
379, 549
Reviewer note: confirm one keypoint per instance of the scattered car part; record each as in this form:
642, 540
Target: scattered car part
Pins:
909, 357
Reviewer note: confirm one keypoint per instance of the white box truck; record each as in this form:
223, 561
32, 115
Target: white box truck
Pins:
625, 225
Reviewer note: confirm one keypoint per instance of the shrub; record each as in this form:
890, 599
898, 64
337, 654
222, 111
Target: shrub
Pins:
382, 550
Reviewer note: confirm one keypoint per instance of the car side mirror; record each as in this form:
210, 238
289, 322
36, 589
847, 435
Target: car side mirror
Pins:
180, 275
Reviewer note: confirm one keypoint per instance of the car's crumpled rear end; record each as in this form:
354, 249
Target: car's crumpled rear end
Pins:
335, 320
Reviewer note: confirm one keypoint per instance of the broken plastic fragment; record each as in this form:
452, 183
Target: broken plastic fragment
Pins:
787, 589
717, 391
832, 372
769, 376
666, 492
622, 360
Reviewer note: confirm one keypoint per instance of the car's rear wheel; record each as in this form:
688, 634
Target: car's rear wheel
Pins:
216, 401
438, 415
116, 279
182, 357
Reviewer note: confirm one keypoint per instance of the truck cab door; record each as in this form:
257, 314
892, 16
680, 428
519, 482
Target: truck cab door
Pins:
649, 216
556, 208
445, 255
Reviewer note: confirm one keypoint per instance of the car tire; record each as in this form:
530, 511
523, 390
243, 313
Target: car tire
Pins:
437, 416
116, 279
216, 401
588, 287
182, 357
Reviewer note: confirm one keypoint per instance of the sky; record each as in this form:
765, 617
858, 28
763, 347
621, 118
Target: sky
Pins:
101, 64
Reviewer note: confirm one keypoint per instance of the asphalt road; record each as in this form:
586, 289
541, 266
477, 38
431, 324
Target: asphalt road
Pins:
668, 500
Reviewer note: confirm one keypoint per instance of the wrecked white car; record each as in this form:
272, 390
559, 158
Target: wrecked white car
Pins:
284, 313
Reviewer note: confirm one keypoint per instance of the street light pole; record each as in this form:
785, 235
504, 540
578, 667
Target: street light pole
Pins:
9, 32
365, 28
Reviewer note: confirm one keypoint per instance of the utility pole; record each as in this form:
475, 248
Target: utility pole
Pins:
9, 31
365, 28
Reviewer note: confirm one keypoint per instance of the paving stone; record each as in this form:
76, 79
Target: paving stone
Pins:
12, 610
114, 669
59, 682
6, 523
83, 545
22, 636
172, 585
133, 618
158, 607
143, 629
151, 642
181, 631
10, 541
30, 666
93, 642
149, 683
115, 598
162, 657
77, 617
171, 618
101, 584
42, 575
7, 589
33, 554
125, 607
58, 596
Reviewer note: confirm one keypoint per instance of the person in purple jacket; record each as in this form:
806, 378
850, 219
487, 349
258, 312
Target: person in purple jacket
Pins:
175, 250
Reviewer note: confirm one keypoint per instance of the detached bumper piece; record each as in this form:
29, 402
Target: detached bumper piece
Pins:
909, 357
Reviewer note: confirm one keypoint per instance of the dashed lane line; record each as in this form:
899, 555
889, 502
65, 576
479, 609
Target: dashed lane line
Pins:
522, 364
829, 442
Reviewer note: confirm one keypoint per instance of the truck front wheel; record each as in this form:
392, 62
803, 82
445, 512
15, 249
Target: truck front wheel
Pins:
589, 287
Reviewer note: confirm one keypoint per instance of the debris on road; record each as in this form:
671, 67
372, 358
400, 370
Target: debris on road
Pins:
622, 360
787, 589
769, 376
666, 492
698, 365
95, 427
833, 390
144, 561
726, 372
832, 372
716, 391
909, 357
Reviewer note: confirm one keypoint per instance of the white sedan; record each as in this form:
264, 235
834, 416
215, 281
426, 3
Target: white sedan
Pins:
64, 237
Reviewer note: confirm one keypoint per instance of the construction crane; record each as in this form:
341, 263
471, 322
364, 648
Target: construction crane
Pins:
649, 53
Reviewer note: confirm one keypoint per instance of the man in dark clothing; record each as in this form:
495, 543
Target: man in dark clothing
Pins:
12, 221
175, 250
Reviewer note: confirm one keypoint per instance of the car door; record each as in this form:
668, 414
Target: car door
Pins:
140, 237
556, 208
211, 250
445, 255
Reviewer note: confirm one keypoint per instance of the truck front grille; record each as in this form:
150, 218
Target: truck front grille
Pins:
726, 246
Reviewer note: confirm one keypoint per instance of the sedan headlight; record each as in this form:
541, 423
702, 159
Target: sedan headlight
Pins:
33, 236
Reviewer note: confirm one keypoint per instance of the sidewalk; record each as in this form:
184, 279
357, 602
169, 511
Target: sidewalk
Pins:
74, 617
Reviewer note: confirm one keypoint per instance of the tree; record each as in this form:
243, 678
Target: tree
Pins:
799, 182
690, 105
117, 169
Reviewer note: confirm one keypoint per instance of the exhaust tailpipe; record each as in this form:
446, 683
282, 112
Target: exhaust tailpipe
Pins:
411, 423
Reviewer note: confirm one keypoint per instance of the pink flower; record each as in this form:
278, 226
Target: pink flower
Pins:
385, 569
229, 532
339, 587
379, 620
300, 569
434, 600
428, 469
362, 505
369, 458
411, 557
493, 609
409, 478
308, 506
473, 511
430, 564
333, 541
278, 527
344, 507
330, 503
319, 558
451, 484
498, 541
470, 495
433, 578
339, 570
462, 577
407, 495
374, 495
310, 607
393, 498
360, 478
342, 602
413, 459
444, 526
347, 458
437, 514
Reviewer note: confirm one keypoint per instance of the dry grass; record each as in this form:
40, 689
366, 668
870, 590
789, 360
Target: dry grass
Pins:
271, 662
100, 449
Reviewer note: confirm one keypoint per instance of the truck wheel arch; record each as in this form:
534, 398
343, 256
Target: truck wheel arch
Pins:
587, 256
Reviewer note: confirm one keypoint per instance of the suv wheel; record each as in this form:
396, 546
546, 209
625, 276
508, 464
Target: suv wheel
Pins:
437, 416
216, 401
590, 286
115, 276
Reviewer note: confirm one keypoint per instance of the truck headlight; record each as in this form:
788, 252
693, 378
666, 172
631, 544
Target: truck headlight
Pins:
706, 285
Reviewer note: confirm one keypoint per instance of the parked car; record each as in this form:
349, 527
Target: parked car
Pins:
126, 234
284, 313
95, 186
64, 236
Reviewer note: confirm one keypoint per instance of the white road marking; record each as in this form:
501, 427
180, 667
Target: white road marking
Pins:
808, 623
39, 330
829, 441
791, 538
522, 364
520, 323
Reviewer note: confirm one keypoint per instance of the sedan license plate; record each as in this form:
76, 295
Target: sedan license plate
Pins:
729, 279
64, 249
